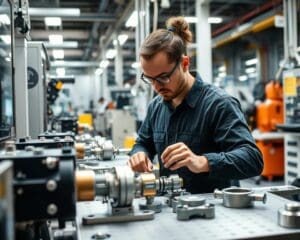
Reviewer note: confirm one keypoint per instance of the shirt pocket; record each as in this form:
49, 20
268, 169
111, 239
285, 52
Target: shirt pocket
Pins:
193, 141
159, 139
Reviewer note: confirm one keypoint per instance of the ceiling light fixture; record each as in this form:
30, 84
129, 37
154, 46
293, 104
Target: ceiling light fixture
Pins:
111, 53
104, 64
4, 19
60, 71
211, 20
99, 71
54, 12
251, 62
215, 20
122, 38
58, 54
56, 39
53, 21
132, 20
165, 4
6, 39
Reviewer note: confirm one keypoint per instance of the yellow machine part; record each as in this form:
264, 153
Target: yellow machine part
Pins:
85, 118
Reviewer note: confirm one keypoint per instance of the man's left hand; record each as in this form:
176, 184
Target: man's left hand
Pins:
180, 155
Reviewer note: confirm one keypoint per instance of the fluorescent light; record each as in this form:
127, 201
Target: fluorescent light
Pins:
7, 59
215, 20
251, 61
212, 20
250, 70
243, 78
53, 21
135, 65
132, 20
4, 19
222, 69
122, 38
111, 53
56, 39
60, 71
65, 44
104, 64
165, 4
54, 12
58, 54
191, 19
6, 39
99, 71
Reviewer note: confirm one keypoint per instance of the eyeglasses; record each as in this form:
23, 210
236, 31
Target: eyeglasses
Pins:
165, 78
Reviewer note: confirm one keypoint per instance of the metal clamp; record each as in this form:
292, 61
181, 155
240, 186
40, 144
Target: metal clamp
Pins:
190, 206
235, 197
289, 216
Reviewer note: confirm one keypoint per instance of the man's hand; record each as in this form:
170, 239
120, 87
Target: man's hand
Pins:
179, 155
139, 162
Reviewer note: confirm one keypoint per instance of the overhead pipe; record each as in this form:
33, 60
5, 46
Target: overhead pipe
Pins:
94, 32
257, 27
248, 16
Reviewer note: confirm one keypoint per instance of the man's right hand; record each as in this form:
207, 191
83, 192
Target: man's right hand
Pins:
139, 162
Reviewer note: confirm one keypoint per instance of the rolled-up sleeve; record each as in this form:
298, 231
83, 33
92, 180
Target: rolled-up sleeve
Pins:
238, 156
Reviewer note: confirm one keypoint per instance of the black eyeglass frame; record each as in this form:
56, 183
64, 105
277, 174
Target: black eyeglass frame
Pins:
149, 80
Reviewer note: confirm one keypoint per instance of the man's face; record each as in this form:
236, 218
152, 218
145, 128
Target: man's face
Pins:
159, 67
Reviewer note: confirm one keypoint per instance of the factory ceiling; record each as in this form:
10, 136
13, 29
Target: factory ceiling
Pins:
88, 23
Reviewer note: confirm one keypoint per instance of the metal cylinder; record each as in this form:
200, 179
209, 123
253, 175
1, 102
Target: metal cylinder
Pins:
289, 216
85, 184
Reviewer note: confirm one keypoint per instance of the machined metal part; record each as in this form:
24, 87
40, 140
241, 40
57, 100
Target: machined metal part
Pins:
191, 206
235, 197
150, 203
114, 218
289, 216
120, 186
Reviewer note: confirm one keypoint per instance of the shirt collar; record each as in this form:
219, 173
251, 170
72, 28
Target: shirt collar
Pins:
194, 94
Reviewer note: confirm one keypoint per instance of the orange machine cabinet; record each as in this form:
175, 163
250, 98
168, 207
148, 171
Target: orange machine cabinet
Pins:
270, 112
273, 157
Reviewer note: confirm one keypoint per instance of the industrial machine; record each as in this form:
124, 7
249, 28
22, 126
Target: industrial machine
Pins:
118, 187
269, 113
37, 66
43, 178
6, 197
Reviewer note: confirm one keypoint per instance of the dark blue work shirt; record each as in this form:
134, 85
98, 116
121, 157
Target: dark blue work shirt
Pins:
210, 123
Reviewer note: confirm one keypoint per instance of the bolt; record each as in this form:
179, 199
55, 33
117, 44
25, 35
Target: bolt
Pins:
51, 162
51, 185
20, 191
52, 209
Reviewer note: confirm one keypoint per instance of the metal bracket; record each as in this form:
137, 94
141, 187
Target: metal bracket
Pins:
125, 214
190, 206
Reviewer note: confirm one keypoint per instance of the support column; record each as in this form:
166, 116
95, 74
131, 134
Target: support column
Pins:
21, 90
119, 64
203, 41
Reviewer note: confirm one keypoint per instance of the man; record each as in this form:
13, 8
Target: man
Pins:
197, 130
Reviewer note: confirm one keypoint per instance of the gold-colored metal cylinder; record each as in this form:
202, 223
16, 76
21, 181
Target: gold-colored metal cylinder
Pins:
148, 184
79, 150
85, 184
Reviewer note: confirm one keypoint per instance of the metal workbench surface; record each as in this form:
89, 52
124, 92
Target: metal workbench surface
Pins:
259, 222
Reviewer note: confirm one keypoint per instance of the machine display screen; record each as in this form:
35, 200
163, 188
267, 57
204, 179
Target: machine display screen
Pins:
6, 70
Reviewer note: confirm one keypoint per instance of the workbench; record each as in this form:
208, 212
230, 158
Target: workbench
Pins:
259, 222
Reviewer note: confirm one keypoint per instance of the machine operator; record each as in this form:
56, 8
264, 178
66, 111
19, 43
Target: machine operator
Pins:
197, 130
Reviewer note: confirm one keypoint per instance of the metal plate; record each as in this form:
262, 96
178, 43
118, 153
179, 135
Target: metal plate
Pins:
255, 223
